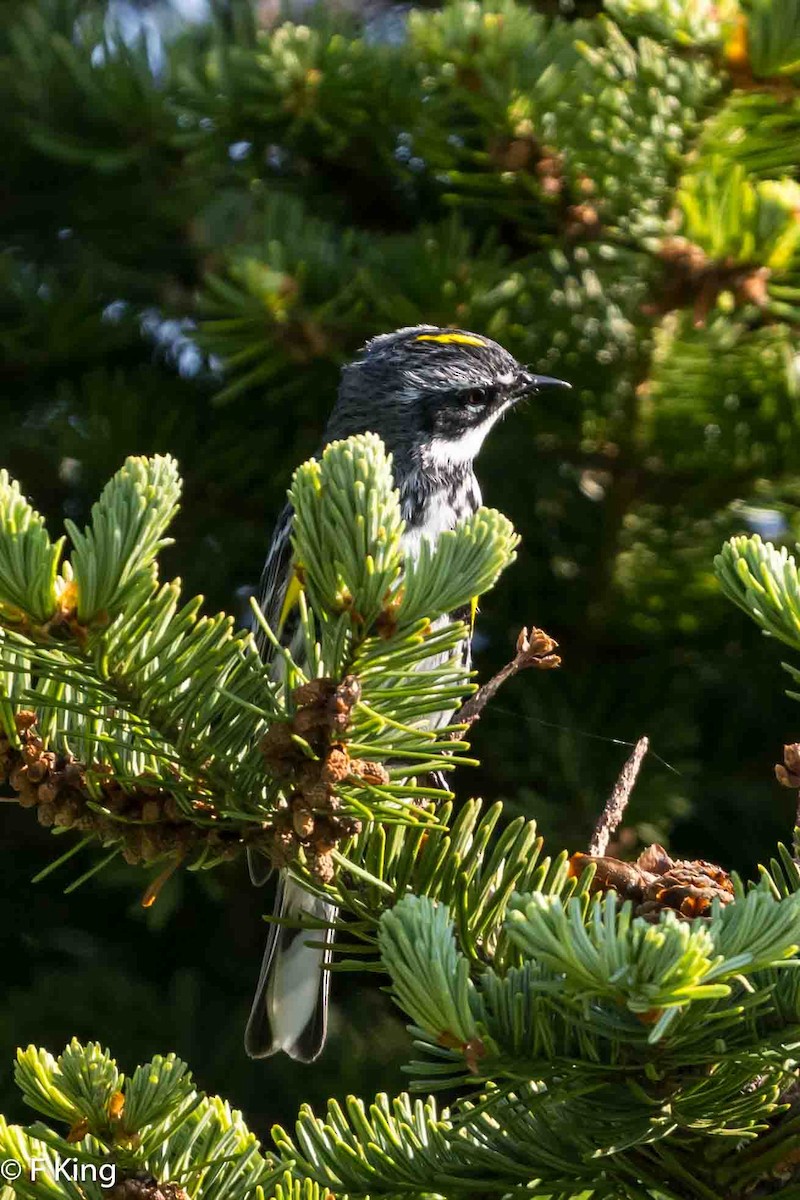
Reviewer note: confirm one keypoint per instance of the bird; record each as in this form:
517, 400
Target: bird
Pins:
432, 394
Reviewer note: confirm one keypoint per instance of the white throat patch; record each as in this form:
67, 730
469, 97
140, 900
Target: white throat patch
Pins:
459, 452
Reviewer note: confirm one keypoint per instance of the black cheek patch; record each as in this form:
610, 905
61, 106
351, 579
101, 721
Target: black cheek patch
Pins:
452, 421
428, 416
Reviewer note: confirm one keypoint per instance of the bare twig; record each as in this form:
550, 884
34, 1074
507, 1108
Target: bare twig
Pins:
534, 651
617, 802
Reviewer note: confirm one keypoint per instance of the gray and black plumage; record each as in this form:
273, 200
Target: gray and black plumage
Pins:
432, 395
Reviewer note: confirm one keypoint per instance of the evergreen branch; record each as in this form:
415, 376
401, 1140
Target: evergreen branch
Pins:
153, 1125
763, 581
523, 1142
464, 563
432, 982
687, 23
389, 1147
366, 566
138, 720
774, 37
770, 124
576, 953
113, 560
738, 220
28, 560
461, 861
645, 1088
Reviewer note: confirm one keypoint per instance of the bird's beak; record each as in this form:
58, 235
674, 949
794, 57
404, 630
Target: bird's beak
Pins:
530, 384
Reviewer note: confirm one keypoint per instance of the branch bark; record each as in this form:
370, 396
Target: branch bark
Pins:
617, 802
534, 651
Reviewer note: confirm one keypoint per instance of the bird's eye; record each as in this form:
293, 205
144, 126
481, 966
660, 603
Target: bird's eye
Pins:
475, 397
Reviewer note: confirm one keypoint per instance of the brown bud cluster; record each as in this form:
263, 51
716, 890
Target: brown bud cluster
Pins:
310, 818
788, 772
78, 1131
550, 169
582, 222
536, 650
143, 1186
524, 153
513, 154
692, 279
146, 821
52, 784
657, 883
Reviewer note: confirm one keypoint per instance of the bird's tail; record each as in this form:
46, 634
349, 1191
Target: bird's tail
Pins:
290, 1009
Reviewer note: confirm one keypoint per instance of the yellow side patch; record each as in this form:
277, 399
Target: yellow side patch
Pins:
473, 610
290, 600
446, 339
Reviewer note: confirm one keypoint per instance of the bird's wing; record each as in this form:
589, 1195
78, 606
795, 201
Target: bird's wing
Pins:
277, 597
300, 976
275, 587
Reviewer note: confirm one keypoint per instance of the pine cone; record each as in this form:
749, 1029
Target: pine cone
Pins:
688, 888
656, 882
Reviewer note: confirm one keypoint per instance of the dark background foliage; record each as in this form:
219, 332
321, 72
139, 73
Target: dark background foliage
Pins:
201, 220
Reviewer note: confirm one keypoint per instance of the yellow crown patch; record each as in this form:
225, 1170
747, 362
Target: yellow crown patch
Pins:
446, 339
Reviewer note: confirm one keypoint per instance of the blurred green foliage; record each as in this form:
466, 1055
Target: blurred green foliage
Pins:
191, 249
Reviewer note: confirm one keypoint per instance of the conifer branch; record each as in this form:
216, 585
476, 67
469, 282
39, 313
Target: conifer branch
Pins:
111, 1130
138, 721
625, 1030
596, 986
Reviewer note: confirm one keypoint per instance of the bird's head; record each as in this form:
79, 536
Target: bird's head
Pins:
432, 394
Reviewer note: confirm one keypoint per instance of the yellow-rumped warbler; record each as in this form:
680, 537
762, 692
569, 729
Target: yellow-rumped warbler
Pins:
432, 395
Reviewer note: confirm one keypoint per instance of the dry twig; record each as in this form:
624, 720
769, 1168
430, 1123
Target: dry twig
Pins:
617, 802
534, 651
